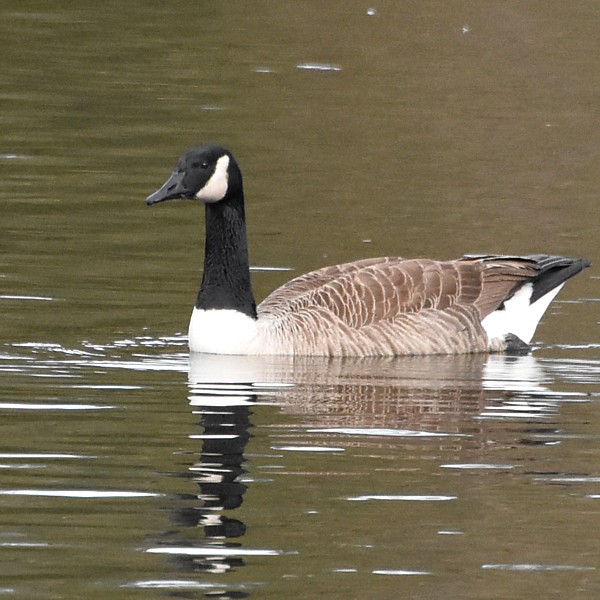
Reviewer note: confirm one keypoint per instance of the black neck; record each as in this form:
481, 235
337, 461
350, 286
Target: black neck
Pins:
226, 280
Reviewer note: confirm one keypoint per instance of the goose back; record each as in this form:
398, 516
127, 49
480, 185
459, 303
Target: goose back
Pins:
394, 306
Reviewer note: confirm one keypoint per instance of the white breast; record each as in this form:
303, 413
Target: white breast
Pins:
220, 331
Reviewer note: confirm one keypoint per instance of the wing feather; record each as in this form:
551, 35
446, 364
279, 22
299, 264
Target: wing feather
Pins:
396, 306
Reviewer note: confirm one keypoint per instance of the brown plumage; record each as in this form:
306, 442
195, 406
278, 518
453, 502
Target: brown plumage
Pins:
380, 306
392, 306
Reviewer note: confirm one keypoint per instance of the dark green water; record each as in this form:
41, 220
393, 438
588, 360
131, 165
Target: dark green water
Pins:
424, 129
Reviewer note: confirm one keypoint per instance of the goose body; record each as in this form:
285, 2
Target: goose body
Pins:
372, 307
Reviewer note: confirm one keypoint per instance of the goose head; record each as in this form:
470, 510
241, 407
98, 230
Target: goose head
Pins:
206, 173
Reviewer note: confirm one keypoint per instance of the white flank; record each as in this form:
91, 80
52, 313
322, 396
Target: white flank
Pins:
518, 317
221, 331
216, 187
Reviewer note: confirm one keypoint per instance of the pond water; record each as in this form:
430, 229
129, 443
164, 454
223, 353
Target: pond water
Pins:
129, 469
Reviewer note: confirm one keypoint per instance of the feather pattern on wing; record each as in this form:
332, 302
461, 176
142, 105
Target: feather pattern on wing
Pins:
390, 305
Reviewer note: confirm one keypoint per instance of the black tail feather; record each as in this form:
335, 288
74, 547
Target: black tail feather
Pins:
554, 271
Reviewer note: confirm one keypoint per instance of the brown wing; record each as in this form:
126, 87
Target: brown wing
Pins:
366, 291
395, 306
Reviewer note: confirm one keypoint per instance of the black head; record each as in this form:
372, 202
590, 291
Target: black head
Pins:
207, 173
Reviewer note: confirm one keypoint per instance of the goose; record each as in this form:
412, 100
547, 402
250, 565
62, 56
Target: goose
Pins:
372, 307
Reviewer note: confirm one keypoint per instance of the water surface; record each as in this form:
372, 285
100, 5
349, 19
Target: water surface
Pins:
126, 468
427, 129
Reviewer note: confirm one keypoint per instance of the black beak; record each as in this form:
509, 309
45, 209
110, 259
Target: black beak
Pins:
171, 189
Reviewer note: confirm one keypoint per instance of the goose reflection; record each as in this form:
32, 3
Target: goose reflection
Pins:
360, 401
219, 471
432, 393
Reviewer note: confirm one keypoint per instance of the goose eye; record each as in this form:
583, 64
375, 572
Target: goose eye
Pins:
201, 165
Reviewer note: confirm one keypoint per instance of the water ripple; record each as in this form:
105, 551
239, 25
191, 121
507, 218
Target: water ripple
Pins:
318, 67
215, 551
309, 448
404, 498
534, 567
183, 584
476, 466
48, 406
78, 494
399, 572
385, 432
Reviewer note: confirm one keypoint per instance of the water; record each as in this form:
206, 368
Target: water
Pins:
126, 468
437, 130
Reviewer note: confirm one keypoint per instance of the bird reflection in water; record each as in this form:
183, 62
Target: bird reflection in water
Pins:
434, 396
225, 423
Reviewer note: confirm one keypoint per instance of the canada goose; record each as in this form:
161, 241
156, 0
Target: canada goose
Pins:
377, 306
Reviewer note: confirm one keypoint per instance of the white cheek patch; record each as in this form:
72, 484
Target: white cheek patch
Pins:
216, 187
